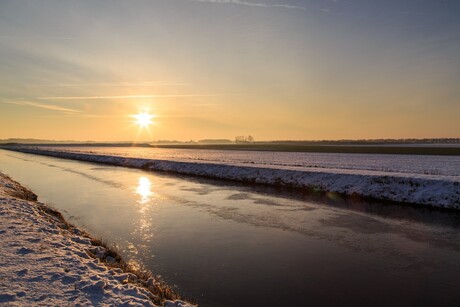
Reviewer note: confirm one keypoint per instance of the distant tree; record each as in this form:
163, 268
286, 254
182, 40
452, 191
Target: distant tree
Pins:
244, 139
240, 139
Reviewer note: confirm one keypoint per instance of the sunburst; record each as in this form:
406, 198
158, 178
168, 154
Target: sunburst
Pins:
143, 120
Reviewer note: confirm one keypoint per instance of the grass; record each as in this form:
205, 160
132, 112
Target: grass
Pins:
19, 191
160, 290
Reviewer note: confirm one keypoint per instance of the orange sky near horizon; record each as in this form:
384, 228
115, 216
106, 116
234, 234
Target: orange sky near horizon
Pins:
304, 70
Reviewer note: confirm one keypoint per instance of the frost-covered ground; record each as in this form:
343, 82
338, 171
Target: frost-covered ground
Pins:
45, 262
411, 164
438, 190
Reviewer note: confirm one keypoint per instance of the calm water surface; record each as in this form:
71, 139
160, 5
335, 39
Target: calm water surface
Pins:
233, 245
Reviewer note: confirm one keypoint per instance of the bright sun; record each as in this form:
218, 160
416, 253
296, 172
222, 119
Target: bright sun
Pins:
143, 119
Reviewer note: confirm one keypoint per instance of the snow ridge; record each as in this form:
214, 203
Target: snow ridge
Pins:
419, 189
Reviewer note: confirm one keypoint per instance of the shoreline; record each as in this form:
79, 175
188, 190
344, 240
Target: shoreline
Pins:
46, 260
418, 189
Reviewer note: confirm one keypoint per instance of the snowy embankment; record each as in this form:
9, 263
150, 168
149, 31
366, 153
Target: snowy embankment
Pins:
45, 261
421, 189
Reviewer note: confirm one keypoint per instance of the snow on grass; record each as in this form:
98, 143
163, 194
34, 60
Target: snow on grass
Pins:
45, 261
411, 164
415, 188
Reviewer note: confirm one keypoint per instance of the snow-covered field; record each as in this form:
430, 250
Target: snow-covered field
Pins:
411, 164
371, 177
44, 262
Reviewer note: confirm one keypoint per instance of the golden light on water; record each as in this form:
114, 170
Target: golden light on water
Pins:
144, 224
144, 189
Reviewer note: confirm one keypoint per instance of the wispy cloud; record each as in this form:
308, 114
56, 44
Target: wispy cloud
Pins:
247, 3
112, 84
40, 105
123, 97
23, 37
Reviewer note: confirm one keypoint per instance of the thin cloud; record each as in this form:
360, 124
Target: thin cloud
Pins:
247, 3
41, 105
123, 97
111, 84
21, 37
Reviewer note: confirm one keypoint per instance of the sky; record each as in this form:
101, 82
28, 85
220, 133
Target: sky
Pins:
273, 69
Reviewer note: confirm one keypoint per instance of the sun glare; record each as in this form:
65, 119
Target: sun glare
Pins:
143, 119
144, 189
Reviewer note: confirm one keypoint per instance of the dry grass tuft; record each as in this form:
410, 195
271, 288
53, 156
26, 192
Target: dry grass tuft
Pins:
160, 290
18, 191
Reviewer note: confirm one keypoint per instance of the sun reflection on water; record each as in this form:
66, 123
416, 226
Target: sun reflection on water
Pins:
144, 189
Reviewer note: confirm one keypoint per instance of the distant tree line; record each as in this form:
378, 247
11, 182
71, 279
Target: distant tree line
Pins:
244, 139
